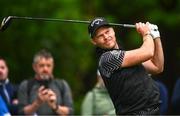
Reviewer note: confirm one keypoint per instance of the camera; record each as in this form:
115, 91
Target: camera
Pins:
45, 83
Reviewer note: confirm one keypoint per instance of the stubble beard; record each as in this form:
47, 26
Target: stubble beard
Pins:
45, 76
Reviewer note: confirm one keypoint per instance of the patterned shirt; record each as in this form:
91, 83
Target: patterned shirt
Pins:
130, 88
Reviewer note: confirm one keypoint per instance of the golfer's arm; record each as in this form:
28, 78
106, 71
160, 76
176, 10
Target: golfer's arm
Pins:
142, 54
156, 64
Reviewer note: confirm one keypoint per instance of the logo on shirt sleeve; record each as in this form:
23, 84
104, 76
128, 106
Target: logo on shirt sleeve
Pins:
115, 53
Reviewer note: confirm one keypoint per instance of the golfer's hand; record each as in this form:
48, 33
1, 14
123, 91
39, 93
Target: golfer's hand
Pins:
154, 31
143, 28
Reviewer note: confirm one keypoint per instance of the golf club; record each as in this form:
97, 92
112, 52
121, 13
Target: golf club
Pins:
7, 20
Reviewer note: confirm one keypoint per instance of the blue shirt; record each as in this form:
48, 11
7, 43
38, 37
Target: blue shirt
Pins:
3, 108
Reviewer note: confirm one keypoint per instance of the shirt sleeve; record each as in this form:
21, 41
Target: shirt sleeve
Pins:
111, 61
67, 97
22, 96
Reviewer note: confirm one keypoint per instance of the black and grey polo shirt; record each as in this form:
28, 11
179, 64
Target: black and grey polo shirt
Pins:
130, 88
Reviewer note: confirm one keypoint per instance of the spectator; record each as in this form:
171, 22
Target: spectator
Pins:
44, 94
97, 101
3, 108
8, 91
163, 97
176, 97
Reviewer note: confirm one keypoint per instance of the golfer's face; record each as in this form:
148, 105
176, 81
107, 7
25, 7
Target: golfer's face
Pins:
105, 38
44, 67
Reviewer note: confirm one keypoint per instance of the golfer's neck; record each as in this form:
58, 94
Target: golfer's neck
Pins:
116, 46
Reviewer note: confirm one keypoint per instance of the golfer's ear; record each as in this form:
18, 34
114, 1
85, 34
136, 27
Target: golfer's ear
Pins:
93, 42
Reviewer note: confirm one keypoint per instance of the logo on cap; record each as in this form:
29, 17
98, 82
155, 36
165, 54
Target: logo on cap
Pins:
96, 21
95, 24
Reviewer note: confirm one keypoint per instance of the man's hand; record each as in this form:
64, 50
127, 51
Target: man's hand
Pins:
52, 102
41, 98
48, 96
143, 29
52, 99
42, 95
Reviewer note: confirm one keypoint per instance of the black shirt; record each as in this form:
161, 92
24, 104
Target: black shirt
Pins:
130, 88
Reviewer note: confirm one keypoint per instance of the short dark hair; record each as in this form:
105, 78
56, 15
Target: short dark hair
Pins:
2, 58
42, 54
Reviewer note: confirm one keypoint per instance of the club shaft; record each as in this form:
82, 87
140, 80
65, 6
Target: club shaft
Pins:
49, 19
66, 20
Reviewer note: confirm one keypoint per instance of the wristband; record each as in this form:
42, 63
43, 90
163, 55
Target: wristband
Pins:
149, 34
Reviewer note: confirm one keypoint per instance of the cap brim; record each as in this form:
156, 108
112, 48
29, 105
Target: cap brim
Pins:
103, 25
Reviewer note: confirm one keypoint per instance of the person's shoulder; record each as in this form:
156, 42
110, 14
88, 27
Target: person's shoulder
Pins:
57, 79
93, 90
60, 80
105, 57
13, 86
24, 82
111, 55
89, 94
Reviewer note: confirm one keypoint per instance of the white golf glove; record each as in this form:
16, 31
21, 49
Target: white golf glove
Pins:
154, 31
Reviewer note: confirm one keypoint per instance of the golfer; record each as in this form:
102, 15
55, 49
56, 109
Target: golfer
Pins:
126, 73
